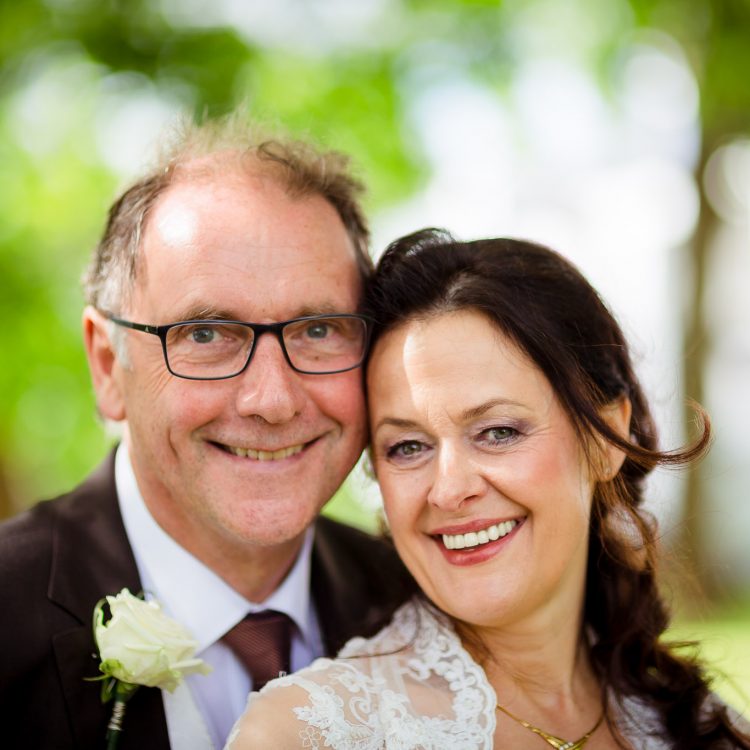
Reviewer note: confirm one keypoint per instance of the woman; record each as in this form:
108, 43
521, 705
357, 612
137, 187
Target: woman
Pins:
511, 440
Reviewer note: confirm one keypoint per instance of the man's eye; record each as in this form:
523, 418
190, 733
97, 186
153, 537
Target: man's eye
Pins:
318, 330
204, 335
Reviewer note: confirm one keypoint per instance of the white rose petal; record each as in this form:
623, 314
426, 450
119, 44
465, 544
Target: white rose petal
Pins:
143, 646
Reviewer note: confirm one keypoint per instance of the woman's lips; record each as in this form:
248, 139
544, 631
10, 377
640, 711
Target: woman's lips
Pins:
478, 542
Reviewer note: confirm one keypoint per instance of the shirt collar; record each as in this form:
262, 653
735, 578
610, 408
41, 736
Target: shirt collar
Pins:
187, 589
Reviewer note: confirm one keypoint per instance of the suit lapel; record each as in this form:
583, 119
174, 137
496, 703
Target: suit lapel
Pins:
357, 583
336, 600
91, 558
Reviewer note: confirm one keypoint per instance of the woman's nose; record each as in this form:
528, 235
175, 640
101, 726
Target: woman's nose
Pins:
456, 480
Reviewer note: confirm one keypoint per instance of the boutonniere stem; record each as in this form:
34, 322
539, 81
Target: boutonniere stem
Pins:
123, 692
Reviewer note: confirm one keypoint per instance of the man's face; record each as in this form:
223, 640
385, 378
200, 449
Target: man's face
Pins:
240, 250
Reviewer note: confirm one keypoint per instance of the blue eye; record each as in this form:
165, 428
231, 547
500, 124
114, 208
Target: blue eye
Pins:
318, 330
204, 335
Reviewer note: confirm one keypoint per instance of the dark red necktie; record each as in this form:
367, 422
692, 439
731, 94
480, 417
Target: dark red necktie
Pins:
261, 641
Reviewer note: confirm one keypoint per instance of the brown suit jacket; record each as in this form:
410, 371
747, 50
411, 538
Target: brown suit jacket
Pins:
58, 559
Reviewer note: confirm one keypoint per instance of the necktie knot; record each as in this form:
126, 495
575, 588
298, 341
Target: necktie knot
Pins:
261, 641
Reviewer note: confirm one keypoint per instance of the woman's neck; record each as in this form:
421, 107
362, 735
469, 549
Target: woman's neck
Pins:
541, 661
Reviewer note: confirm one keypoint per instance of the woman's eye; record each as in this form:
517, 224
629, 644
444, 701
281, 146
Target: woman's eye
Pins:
406, 449
497, 435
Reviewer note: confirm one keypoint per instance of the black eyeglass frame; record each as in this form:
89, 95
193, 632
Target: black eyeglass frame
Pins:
277, 329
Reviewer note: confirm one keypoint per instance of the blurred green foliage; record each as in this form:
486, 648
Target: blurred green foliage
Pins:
63, 63
715, 35
60, 62
723, 645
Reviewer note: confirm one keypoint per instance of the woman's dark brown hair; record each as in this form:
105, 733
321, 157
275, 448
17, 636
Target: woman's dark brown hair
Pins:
543, 304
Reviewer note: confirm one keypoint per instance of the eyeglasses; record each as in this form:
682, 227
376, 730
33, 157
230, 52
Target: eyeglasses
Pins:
220, 349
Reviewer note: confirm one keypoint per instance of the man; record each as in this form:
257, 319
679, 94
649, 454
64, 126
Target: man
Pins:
234, 437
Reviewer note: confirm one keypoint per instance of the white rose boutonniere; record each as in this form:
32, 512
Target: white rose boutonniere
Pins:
139, 645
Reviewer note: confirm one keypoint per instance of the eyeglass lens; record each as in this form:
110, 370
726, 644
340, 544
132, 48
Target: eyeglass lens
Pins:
211, 350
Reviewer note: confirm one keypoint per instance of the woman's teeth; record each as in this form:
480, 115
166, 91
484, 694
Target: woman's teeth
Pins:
266, 455
476, 538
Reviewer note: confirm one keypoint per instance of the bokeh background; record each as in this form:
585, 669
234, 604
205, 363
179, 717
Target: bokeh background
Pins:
616, 131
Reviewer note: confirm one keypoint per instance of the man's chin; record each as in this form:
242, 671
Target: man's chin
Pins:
270, 527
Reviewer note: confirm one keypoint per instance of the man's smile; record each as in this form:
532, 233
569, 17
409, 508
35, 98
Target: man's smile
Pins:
264, 455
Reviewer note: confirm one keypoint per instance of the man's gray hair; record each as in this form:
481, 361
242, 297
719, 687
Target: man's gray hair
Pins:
195, 151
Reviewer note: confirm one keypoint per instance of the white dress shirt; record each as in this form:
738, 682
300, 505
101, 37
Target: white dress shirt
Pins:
200, 713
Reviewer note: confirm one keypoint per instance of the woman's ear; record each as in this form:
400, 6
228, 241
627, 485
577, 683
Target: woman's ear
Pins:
617, 416
103, 365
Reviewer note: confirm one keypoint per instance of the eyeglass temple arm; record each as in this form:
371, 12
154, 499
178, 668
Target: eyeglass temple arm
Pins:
134, 326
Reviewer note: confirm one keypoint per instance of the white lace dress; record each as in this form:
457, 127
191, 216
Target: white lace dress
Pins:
411, 687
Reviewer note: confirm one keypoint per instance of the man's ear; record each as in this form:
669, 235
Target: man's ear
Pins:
617, 416
103, 365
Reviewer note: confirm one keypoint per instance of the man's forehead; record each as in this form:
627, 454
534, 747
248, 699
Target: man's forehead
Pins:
199, 187
245, 207
210, 243
175, 221
233, 171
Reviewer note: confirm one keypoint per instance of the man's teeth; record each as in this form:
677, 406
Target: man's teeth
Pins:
266, 455
475, 538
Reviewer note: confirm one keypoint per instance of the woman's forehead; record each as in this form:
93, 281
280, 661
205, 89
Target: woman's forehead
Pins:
455, 361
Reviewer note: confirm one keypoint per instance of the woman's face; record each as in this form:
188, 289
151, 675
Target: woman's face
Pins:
485, 484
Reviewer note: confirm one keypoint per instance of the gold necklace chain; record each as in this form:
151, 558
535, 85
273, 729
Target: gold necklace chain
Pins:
556, 742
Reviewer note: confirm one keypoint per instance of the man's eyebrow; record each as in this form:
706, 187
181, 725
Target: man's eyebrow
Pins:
215, 313
203, 313
327, 308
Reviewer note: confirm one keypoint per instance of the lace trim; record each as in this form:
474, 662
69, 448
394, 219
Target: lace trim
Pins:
362, 700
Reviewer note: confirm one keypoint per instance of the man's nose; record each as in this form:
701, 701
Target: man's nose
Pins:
456, 480
269, 387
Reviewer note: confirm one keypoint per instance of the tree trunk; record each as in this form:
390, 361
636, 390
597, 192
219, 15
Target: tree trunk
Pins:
696, 352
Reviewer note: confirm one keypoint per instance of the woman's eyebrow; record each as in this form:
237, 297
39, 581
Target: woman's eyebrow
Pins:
477, 411
472, 413
467, 415
405, 424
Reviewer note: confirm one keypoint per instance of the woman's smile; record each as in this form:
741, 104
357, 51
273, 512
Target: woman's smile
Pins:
474, 547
